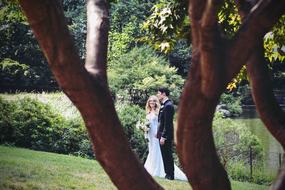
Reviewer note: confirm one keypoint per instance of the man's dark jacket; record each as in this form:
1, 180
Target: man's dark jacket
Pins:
165, 119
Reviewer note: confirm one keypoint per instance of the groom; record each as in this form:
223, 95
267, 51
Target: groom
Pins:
165, 131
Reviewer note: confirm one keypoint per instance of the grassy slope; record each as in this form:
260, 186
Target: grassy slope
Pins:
26, 169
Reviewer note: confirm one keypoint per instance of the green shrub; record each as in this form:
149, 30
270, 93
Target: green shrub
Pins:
36, 126
233, 141
14, 74
32, 124
6, 127
240, 171
139, 73
129, 116
28, 122
232, 103
73, 139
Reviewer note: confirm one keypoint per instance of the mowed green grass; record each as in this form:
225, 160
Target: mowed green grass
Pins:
25, 169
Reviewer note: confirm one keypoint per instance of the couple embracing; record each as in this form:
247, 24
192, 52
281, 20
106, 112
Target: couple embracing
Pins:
159, 161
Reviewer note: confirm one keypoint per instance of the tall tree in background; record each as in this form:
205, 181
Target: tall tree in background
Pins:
216, 60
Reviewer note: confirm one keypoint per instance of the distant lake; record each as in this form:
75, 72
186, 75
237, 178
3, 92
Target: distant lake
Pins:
272, 147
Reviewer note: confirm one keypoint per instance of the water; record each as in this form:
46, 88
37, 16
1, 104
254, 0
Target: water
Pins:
272, 148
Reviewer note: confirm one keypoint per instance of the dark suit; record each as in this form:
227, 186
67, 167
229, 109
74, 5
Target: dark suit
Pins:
165, 130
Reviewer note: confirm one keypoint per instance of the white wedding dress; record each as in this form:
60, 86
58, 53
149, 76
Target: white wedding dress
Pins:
154, 162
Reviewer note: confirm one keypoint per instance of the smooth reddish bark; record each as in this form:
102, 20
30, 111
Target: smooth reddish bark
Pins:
215, 61
87, 88
268, 108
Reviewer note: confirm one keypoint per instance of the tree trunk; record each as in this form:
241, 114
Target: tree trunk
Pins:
87, 88
195, 143
215, 61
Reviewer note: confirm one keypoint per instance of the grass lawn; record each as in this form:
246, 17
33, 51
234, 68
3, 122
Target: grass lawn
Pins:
26, 169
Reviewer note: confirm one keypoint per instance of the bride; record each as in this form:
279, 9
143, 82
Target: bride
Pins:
154, 162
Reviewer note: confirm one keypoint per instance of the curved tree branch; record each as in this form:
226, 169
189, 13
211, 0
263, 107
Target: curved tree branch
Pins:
279, 183
97, 38
195, 11
212, 66
195, 143
268, 108
263, 95
257, 23
90, 95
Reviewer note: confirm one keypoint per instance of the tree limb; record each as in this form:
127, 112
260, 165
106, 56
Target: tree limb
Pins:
195, 143
97, 38
195, 11
259, 21
279, 184
268, 108
263, 95
90, 95
211, 60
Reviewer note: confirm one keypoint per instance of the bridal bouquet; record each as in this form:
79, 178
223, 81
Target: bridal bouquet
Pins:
144, 126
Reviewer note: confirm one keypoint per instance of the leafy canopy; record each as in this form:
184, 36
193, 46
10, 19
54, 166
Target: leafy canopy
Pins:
168, 21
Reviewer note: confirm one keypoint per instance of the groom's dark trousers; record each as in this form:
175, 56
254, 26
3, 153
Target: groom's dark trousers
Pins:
166, 151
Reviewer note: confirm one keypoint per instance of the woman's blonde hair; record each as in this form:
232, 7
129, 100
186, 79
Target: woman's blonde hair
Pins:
157, 105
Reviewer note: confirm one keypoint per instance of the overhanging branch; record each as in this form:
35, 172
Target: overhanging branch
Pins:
268, 108
212, 65
97, 38
257, 23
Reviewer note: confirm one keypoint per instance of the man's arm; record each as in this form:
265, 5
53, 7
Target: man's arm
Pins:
168, 121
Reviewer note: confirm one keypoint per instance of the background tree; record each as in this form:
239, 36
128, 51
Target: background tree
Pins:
126, 20
168, 24
215, 61
20, 49
149, 72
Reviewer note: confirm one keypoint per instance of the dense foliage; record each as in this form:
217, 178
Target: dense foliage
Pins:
167, 23
139, 73
233, 141
239, 150
32, 124
15, 75
44, 124
129, 116
18, 43
75, 13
